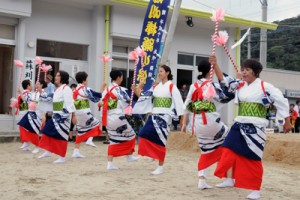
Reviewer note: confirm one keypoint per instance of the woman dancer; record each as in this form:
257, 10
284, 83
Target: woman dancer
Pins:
31, 123
154, 135
55, 133
244, 145
204, 119
23, 101
121, 135
87, 125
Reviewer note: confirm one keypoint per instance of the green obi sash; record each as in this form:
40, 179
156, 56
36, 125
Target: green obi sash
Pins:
252, 109
81, 104
112, 104
23, 106
162, 102
198, 106
58, 106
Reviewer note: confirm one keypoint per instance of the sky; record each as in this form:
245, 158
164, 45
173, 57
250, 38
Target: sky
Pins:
250, 9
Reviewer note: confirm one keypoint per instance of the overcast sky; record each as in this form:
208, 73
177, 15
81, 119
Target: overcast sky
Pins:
251, 9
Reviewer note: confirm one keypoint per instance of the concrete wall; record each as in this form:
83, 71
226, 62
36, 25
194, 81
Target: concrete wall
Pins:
20, 8
59, 23
127, 23
282, 79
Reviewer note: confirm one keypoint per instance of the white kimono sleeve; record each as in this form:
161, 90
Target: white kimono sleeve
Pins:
281, 103
28, 97
144, 104
45, 97
68, 100
177, 100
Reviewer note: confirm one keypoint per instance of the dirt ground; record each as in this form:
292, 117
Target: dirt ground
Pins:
23, 176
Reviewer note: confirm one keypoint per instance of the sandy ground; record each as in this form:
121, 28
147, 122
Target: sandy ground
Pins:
23, 176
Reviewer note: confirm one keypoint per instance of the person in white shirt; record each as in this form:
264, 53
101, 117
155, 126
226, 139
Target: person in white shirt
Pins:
55, 133
297, 123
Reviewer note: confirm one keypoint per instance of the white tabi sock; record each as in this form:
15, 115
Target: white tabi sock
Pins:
77, 154
255, 194
203, 185
90, 142
110, 166
227, 183
25, 144
60, 160
35, 150
158, 170
45, 154
202, 173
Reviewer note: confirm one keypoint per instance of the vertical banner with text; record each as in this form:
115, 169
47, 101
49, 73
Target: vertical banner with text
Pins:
150, 40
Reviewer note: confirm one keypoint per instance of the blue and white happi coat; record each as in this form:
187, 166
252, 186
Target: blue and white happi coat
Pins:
247, 136
58, 127
119, 129
32, 120
27, 97
211, 135
85, 119
158, 124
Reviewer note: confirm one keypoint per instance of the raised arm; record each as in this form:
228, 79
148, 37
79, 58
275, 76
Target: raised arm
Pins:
218, 72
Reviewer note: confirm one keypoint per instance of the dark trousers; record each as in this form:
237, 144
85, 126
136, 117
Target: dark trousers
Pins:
297, 124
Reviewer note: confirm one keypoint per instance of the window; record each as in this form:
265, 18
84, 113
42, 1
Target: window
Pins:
199, 59
121, 49
7, 32
186, 77
190, 59
65, 50
185, 59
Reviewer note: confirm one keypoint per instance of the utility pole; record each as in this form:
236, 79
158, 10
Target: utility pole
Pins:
171, 31
263, 35
249, 45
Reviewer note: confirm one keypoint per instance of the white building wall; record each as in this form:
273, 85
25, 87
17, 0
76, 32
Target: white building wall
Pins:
282, 79
57, 22
126, 23
16, 7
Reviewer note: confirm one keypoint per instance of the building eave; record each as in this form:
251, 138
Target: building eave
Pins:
240, 22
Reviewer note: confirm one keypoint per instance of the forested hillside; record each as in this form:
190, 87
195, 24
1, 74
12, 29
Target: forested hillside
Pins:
283, 45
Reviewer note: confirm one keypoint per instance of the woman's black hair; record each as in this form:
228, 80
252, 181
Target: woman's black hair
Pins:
254, 65
115, 74
25, 84
168, 69
73, 85
81, 76
64, 77
43, 83
203, 69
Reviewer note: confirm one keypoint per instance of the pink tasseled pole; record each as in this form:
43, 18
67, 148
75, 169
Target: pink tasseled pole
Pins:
14, 101
105, 59
221, 40
20, 65
37, 60
45, 69
132, 56
217, 16
141, 53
